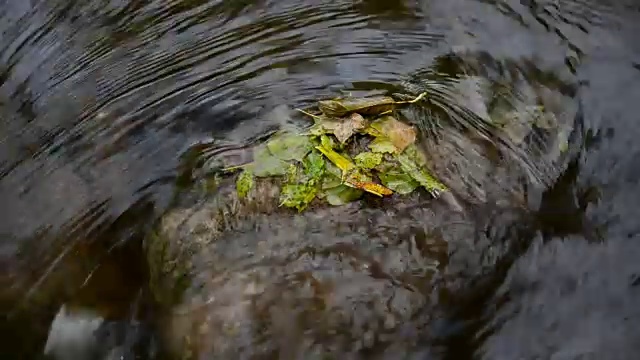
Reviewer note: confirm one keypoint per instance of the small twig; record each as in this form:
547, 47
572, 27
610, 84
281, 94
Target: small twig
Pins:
418, 98
310, 114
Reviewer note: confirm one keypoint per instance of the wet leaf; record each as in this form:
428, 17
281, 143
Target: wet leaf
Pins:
338, 160
400, 134
382, 145
287, 146
368, 160
244, 183
315, 130
341, 195
349, 126
367, 106
297, 196
330, 181
372, 188
356, 179
332, 170
314, 165
416, 155
399, 182
266, 164
409, 166
327, 142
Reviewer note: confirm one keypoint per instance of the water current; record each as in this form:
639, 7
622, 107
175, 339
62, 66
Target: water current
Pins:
101, 101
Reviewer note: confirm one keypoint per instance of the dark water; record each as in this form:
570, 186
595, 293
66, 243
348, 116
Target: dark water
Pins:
100, 100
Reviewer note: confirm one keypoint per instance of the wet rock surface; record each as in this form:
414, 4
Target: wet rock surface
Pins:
246, 278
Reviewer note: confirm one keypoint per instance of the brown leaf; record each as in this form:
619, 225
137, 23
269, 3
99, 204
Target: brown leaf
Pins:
349, 126
400, 134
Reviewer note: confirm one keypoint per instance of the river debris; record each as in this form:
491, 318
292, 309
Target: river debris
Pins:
355, 146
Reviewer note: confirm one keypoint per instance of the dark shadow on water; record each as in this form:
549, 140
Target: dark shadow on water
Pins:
106, 276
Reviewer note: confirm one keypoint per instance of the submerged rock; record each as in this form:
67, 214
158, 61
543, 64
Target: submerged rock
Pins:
242, 276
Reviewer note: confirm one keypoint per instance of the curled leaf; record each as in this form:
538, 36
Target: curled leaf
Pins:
371, 187
342, 128
349, 126
356, 179
368, 160
244, 183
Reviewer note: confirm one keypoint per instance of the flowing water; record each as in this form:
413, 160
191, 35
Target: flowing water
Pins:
102, 101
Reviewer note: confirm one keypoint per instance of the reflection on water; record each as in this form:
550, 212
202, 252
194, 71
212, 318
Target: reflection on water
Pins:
100, 100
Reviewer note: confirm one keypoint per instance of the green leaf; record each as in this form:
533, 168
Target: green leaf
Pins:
314, 165
368, 160
265, 164
288, 146
332, 170
244, 183
330, 181
399, 182
341, 194
382, 145
327, 142
409, 166
297, 196
342, 162
416, 155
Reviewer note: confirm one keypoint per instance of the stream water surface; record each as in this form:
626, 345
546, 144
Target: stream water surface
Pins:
101, 101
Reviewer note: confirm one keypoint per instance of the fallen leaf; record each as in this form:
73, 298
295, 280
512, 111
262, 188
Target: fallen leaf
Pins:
409, 166
356, 179
400, 134
368, 106
382, 145
368, 160
341, 194
399, 182
338, 160
289, 146
348, 127
266, 164
327, 142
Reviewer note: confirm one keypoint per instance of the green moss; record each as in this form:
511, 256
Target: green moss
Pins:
244, 183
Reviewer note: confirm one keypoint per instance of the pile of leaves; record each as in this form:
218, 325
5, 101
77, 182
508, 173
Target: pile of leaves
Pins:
355, 146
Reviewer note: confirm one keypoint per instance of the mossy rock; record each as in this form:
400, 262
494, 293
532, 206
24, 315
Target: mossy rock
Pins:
256, 269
